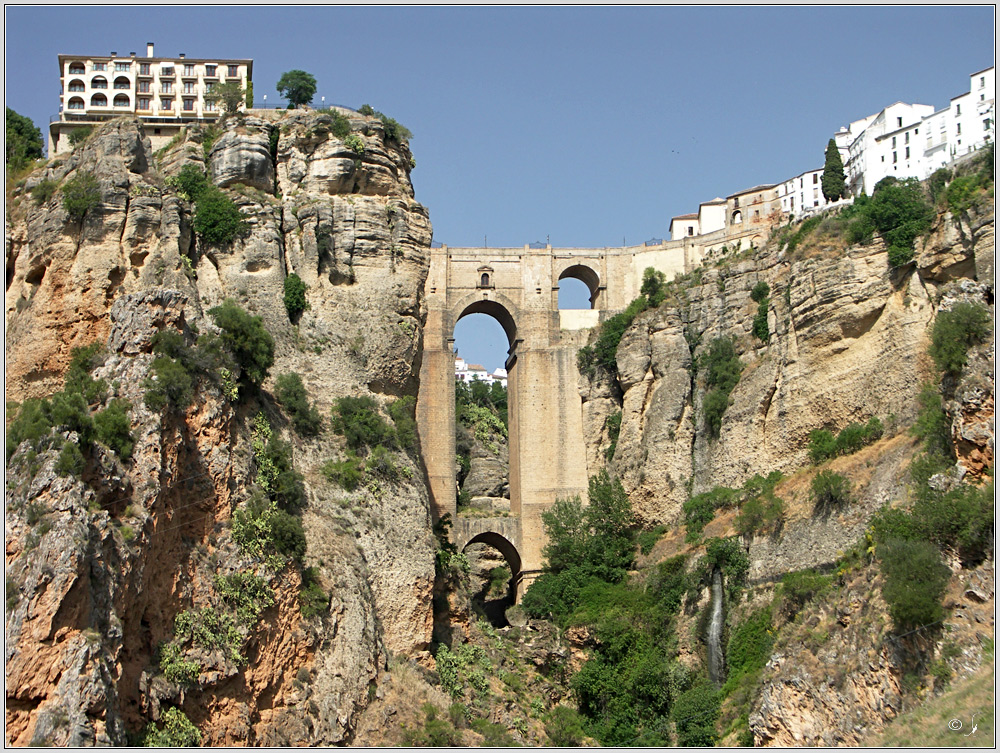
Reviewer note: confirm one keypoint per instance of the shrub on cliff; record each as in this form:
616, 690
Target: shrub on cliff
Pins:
603, 352
291, 393
653, 286
71, 409
217, 220
81, 193
359, 420
694, 715
403, 415
722, 368
830, 491
190, 182
823, 445
956, 331
112, 428
44, 191
900, 213
915, 580
245, 337
295, 297
174, 730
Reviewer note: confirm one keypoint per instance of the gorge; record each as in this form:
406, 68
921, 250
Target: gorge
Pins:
238, 560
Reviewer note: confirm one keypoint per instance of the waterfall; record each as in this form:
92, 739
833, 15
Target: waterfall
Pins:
715, 660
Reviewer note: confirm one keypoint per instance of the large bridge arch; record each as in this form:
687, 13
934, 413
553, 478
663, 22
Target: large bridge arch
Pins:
497, 305
519, 288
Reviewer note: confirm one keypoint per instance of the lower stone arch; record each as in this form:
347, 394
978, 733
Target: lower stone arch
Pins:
502, 545
488, 603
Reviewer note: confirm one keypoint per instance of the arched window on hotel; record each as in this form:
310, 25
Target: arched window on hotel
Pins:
76, 69
121, 100
76, 85
122, 82
76, 103
98, 82
98, 100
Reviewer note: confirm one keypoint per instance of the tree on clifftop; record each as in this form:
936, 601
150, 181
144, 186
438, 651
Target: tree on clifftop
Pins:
230, 93
834, 181
297, 87
24, 141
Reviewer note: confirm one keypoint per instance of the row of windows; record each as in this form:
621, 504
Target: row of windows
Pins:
98, 100
122, 100
166, 87
144, 69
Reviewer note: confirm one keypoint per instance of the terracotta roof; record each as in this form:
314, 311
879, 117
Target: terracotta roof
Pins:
687, 216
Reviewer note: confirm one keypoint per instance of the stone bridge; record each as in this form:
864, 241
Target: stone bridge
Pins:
519, 287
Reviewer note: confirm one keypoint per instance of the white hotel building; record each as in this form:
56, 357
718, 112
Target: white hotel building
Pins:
165, 93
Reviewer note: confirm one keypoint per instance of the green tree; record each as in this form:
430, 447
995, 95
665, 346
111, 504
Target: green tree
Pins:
295, 296
915, 581
216, 218
23, 141
246, 338
298, 87
230, 93
956, 331
567, 533
81, 193
834, 181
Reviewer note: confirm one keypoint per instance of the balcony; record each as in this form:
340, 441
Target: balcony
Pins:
166, 73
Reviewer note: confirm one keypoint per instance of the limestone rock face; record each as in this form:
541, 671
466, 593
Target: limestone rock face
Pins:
242, 155
835, 693
488, 470
848, 341
63, 274
311, 158
93, 602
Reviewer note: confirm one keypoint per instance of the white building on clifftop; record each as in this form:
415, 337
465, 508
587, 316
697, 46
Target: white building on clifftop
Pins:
467, 372
165, 93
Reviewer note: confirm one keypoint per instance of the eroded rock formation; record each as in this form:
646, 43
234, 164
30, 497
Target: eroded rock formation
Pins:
101, 565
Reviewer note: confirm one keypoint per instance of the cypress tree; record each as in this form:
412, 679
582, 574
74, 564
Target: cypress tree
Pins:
834, 181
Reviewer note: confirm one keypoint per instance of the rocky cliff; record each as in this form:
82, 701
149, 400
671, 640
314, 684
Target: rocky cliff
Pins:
132, 591
100, 564
848, 341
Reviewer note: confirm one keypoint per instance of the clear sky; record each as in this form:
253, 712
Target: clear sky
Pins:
586, 126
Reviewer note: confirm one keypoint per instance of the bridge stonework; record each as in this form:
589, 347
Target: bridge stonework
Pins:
519, 288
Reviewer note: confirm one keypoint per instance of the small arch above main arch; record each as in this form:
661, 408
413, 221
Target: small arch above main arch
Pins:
587, 272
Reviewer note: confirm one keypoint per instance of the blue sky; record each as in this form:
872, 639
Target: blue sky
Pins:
589, 126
